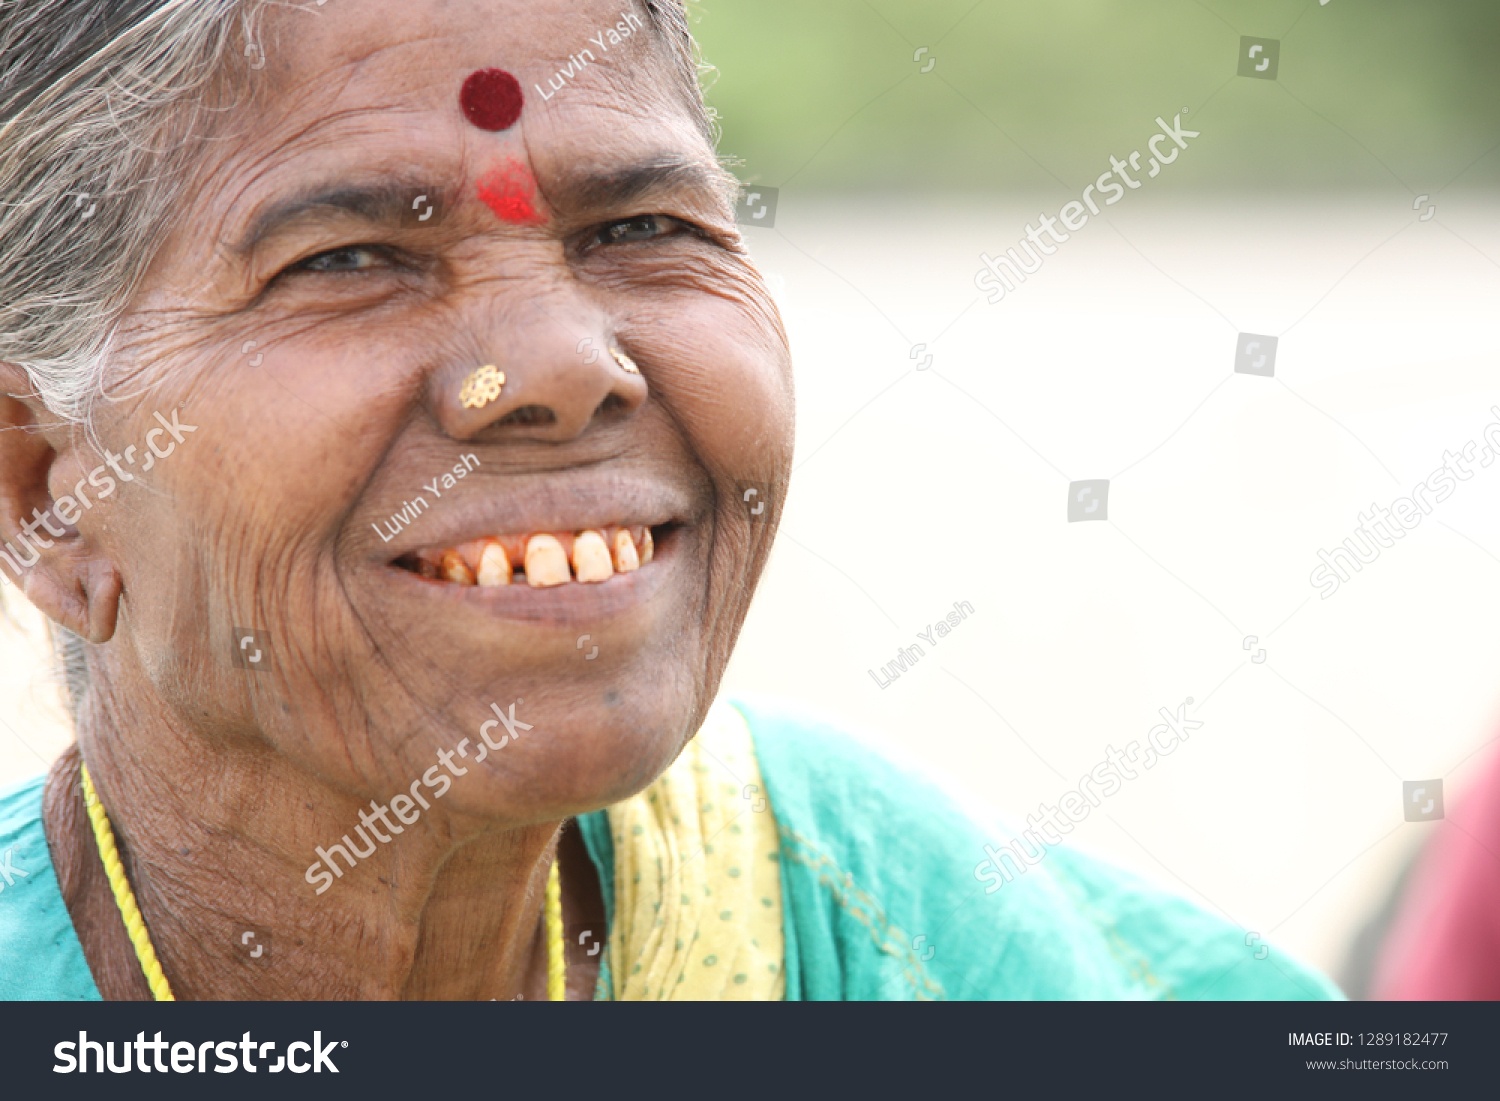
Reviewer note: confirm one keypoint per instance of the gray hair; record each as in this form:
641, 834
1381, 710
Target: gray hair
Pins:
670, 17
101, 110
94, 143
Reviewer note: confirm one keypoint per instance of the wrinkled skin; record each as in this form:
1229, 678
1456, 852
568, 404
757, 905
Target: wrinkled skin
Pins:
220, 781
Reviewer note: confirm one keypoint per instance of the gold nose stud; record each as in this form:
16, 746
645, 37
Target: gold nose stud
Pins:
482, 387
625, 362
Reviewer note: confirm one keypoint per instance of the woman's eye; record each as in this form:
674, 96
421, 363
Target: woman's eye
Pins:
645, 227
348, 258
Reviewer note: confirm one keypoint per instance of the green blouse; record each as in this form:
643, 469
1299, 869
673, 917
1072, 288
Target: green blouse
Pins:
881, 891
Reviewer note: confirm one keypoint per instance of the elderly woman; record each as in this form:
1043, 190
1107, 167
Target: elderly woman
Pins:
383, 388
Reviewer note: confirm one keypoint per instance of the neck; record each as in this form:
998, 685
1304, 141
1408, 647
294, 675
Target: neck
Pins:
217, 848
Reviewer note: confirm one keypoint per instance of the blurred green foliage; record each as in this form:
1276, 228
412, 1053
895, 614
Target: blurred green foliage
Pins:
826, 94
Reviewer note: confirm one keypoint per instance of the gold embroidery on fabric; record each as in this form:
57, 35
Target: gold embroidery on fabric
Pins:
888, 938
1125, 953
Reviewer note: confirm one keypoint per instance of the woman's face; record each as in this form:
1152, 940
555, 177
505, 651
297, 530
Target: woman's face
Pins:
316, 321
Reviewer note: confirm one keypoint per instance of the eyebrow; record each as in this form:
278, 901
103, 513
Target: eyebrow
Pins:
386, 203
378, 204
662, 173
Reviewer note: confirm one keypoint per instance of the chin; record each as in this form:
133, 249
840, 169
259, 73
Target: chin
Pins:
591, 744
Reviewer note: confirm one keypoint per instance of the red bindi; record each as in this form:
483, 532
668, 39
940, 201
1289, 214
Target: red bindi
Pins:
491, 99
509, 190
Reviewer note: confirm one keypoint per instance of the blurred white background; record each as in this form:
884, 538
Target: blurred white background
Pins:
915, 489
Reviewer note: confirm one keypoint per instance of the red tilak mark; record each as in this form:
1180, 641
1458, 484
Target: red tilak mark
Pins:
491, 99
509, 191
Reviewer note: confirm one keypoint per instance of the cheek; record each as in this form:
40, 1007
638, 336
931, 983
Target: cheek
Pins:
751, 394
727, 378
509, 190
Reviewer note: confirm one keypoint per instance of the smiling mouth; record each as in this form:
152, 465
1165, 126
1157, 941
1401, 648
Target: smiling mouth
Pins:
541, 560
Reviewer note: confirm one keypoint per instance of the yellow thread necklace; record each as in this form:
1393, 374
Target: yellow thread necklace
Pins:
145, 951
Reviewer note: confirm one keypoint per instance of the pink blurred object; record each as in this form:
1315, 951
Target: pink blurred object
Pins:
1445, 943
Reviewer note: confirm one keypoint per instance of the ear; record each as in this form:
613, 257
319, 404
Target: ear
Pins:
60, 569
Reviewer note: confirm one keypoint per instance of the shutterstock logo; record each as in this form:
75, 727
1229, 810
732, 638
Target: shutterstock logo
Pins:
1088, 500
1259, 57
73, 1057
1422, 800
424, 207
758, 207
1256, 355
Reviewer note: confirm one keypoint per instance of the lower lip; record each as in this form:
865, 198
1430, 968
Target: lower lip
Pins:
569, 604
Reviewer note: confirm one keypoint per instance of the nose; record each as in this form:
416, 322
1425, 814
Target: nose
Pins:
562, 372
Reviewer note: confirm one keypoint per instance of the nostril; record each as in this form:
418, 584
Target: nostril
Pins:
530, 416
612, 403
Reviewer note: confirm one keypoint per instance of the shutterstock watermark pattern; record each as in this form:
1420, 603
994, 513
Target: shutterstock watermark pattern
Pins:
1002, 275
409, 805
10, 871
1383, 527
70, 507
1105, 779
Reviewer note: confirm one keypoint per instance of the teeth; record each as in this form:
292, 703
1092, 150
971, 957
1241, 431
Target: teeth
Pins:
455, 569
591, 557
626, 558
597, 554
494, 566
546, 562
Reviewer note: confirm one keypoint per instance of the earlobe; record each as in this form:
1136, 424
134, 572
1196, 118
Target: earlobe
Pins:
78, 591
45, 556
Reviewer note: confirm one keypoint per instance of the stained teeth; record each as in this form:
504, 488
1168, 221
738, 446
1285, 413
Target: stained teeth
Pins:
455, 569
494, 566
597, 555
626, 559
591, 557
546, 562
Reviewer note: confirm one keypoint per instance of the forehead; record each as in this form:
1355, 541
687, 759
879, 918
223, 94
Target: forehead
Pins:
374, 87
380, 40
